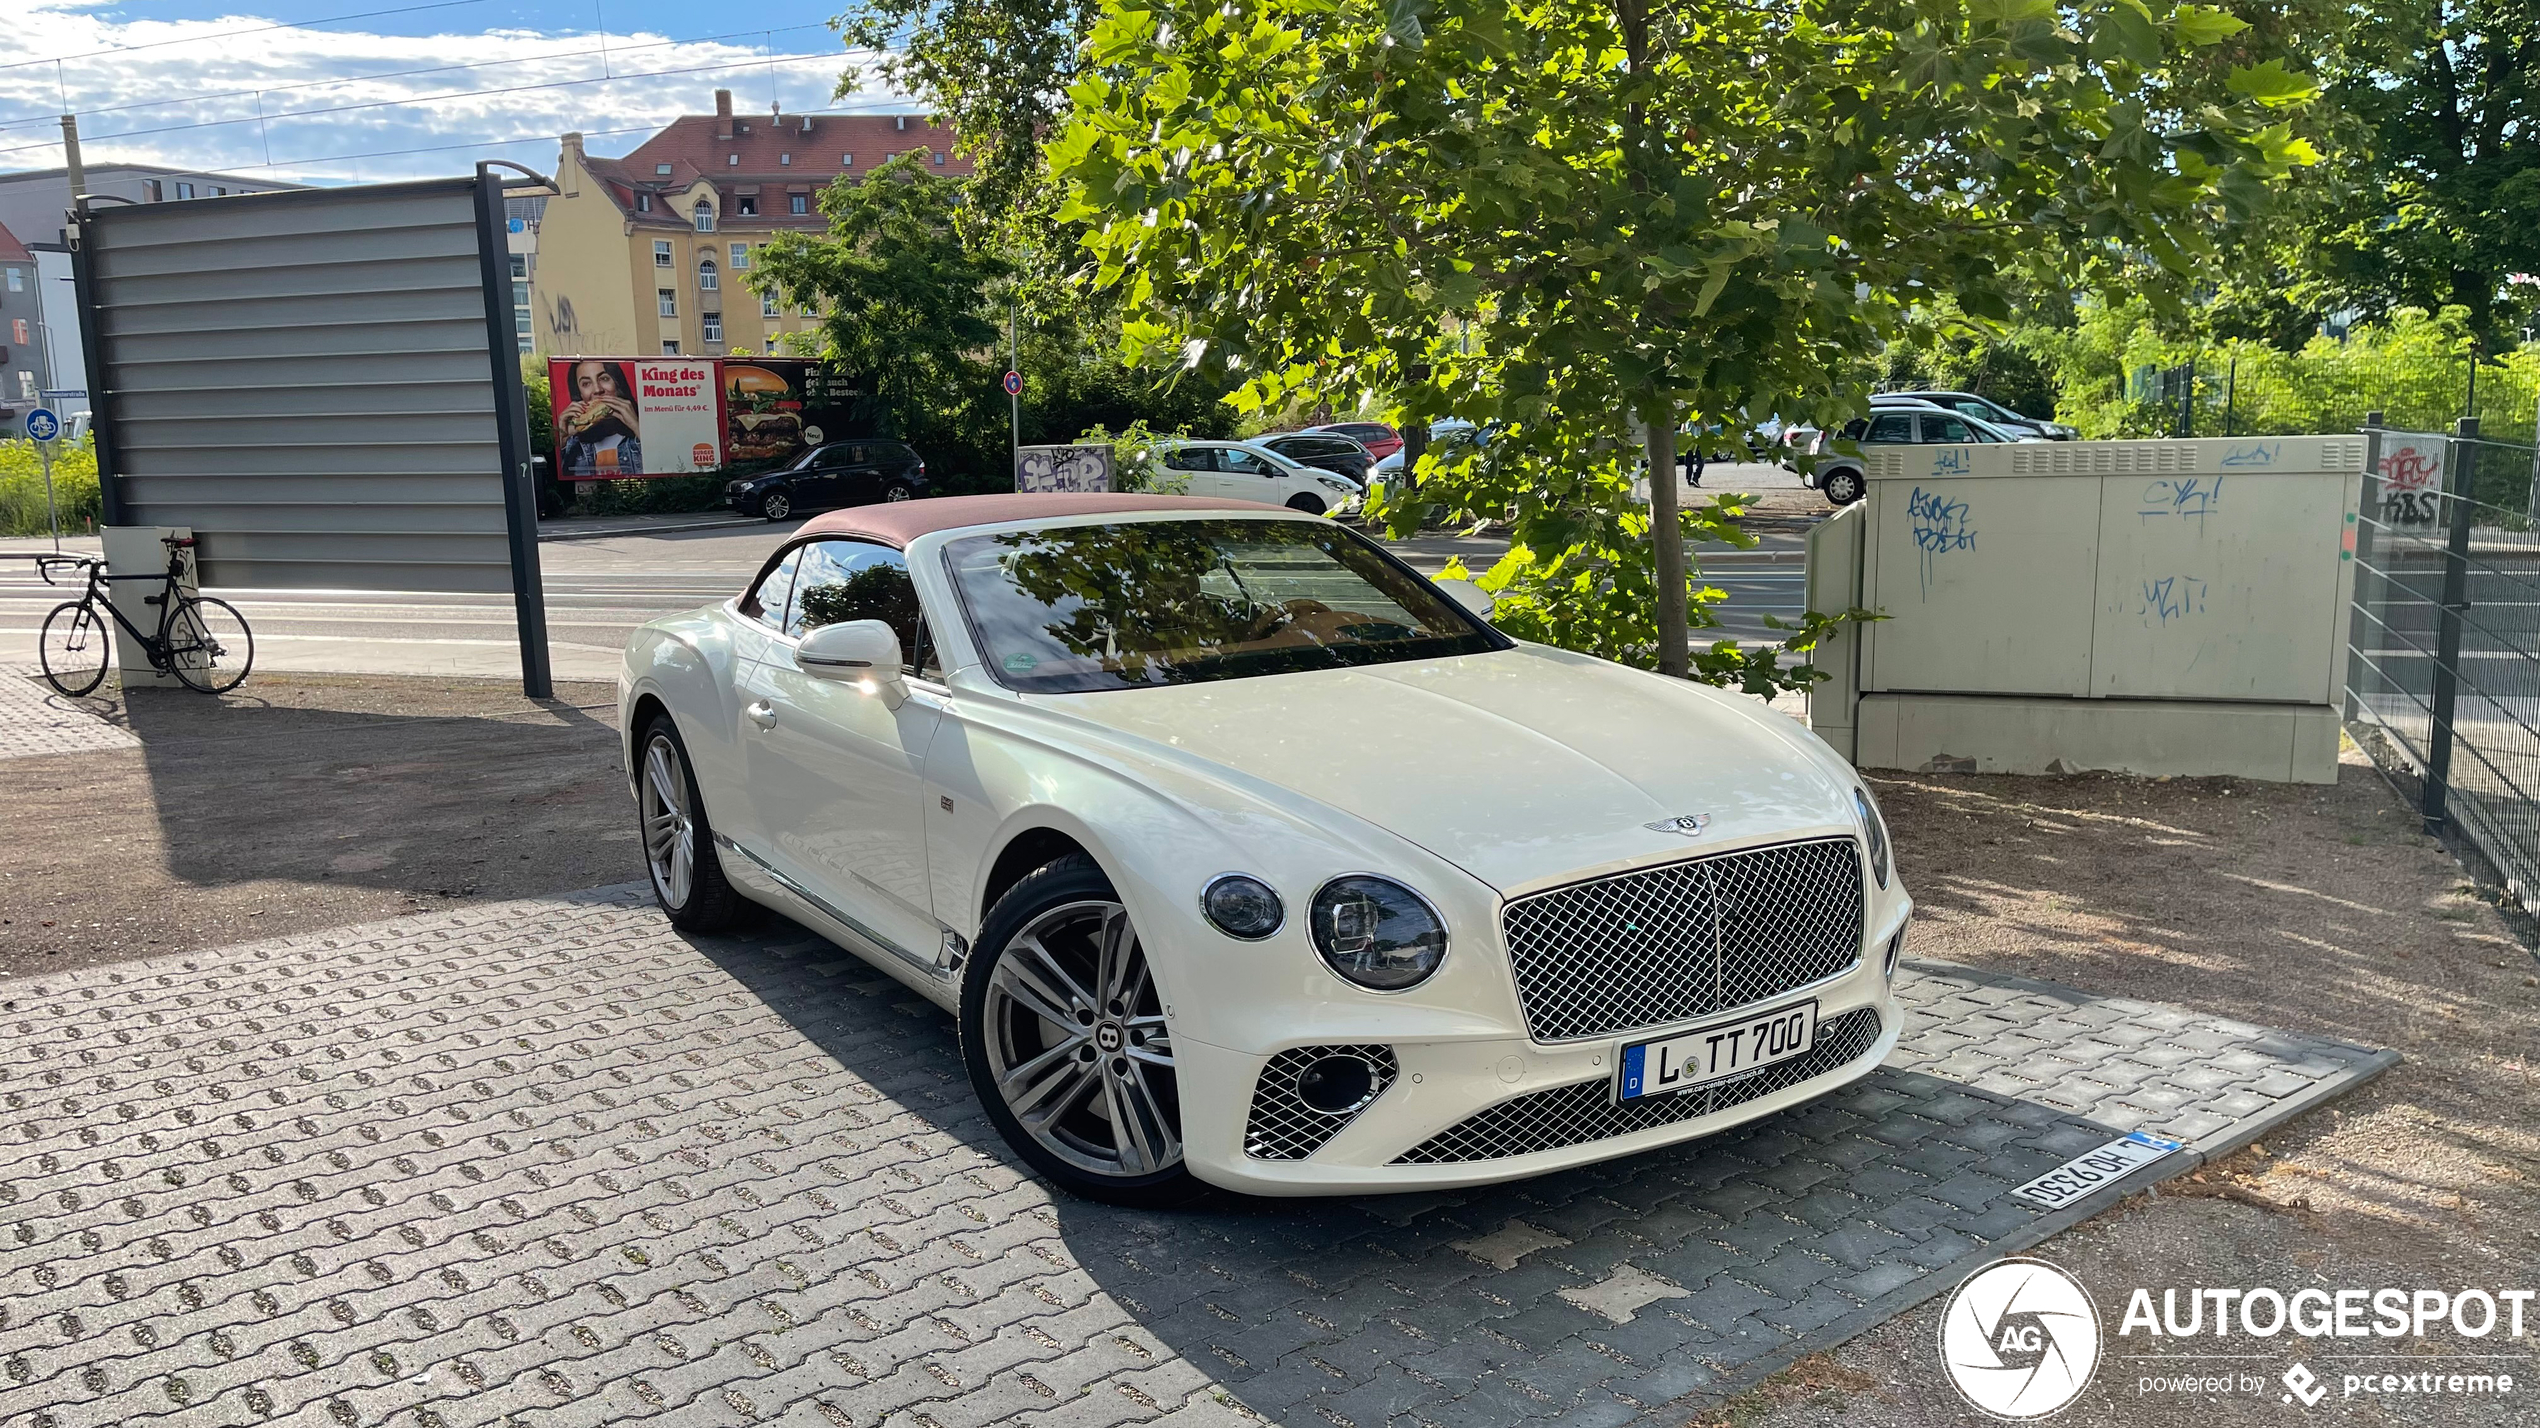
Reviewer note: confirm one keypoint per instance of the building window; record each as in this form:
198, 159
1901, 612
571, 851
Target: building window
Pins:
661, 253
219, 192
713, 326
846, 161
798, 202
740, 257
185, 190
708, 280
17, 280
767, 305
749, 205
784, 161
643, 203
705, 218
661, 170
732, 161
669, 348
669, 301
939, 158
899, 121
17, 330
150, 190
521, 326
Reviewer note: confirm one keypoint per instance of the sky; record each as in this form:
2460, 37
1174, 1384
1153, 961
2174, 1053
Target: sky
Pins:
201, 84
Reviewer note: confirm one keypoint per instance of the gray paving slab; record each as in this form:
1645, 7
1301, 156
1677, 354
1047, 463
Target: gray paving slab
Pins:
36, 720
549, 1162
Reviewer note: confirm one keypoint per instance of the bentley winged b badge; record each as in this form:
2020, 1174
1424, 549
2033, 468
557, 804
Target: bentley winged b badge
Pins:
1690, 824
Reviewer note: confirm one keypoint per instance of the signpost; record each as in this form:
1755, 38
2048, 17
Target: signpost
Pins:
44, 428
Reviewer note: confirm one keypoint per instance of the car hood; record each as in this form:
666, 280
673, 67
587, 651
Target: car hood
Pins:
1521, 767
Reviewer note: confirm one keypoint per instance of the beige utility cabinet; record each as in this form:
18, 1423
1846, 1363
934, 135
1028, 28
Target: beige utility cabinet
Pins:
2159, 607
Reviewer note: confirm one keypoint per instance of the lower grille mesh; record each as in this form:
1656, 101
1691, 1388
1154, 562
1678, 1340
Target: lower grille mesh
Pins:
1282, 1126
1578, 1114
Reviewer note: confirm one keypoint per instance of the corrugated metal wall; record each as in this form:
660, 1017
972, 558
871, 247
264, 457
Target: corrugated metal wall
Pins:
304, 379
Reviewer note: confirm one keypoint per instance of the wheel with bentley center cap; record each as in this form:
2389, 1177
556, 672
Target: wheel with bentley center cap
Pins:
1063, 1033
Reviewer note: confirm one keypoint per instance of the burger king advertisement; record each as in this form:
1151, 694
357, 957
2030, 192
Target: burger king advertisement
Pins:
618, 417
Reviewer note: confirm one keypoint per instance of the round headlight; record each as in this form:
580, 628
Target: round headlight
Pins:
1377, 933
1241, 906
1875, 831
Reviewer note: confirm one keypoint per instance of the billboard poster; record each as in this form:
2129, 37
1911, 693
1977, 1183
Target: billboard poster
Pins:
778, 407
636, 416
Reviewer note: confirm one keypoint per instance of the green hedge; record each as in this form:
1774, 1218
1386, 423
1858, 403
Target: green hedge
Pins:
74, 488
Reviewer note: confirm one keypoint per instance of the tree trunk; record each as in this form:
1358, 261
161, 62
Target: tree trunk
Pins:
1415, 444
1667, 538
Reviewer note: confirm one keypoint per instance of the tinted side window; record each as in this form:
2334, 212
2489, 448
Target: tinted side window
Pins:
853, 580
1189, 458
1244, 462
1945, 428
766, 601
1895, 426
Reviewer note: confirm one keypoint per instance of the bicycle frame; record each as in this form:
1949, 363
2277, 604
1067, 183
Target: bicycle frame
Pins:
98, 595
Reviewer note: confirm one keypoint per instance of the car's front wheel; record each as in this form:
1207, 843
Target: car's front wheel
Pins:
1312, 506
1843, 486
1063, 1032
776, 505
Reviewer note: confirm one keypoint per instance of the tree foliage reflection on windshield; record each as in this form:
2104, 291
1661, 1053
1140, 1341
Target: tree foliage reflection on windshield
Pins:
1079, 608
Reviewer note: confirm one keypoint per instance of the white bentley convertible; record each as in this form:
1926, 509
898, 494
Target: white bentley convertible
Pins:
1243, 852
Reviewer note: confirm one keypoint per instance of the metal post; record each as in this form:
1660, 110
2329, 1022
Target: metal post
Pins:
101, 397
2358, 628
2187, 400
75, 171
1014, 363
52, 513
2460, 467
2231, 392
511, 428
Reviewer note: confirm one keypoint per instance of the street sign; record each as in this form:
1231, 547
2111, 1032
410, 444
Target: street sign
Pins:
42, 425
1014, 384
72, 394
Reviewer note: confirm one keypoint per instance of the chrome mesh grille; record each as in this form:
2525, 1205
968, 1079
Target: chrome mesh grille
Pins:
1682, 941
1578, 1114
1282, 1126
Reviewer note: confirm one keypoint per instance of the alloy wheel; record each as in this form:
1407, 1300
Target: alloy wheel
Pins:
1076, 1042
778, 505
670, 832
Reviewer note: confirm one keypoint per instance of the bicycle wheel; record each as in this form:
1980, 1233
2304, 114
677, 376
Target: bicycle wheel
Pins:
76, 644
209, 645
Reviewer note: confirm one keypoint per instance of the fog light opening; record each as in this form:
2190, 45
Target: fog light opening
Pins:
1895, 951
1336, 1085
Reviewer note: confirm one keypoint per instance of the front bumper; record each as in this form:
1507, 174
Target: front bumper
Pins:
1439, 1088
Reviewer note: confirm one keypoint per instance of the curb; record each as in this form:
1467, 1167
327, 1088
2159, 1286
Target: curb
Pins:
548, 537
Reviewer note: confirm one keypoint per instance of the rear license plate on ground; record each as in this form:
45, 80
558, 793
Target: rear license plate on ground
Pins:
1722, 1051
2082, 1174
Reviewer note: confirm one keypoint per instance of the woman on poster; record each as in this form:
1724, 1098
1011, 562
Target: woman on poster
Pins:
598, 429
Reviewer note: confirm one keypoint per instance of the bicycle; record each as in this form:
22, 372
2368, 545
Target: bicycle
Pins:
201, 640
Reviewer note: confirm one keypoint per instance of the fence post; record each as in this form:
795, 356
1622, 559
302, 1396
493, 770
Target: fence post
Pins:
2367, 511
2459, 479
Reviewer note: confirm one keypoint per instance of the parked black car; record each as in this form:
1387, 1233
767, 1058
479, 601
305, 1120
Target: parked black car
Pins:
1327, 450
843, 473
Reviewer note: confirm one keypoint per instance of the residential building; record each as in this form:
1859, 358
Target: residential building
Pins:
521, 218
34, 204
22, 370
651, 253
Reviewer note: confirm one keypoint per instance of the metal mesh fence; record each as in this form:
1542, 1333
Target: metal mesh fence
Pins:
2443, 669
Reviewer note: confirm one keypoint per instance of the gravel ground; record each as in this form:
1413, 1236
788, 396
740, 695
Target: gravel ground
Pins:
301, 802
2316, 909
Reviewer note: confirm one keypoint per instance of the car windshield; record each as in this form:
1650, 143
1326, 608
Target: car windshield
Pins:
1080, 608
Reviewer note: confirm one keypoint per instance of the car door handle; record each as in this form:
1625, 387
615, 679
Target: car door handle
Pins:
763, 714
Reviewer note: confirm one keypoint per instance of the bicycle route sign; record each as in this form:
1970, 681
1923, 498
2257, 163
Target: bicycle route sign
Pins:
42, 424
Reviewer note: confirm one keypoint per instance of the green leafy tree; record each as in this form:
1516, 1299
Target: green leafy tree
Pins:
1585, 219
998, 69
2432, 197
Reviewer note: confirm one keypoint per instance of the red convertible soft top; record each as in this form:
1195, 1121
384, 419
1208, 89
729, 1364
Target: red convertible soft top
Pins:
899, 522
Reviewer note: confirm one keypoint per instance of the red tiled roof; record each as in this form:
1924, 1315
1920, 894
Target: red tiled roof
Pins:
772, 153
899, 522
11, 249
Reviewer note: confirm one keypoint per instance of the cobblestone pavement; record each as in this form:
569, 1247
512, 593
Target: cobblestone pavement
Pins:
548, 1163
35, 719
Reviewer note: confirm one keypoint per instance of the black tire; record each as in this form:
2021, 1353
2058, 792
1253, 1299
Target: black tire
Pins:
776, 505
1059, 890
1308, 504
898, 491
1843, 486
209, 645
76, 646
707, 902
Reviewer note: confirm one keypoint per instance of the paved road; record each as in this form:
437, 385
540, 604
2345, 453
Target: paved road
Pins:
600, 588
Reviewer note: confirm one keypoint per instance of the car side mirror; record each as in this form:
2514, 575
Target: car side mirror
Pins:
865, 653
1476, 601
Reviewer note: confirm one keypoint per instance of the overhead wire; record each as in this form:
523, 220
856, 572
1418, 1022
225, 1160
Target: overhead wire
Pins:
250, 30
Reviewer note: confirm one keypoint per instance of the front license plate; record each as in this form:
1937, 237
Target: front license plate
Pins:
1722, 1051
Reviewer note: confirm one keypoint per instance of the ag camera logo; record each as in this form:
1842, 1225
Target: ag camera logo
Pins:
2020, 1339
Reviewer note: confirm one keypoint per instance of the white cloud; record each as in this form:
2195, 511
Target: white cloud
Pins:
195, 103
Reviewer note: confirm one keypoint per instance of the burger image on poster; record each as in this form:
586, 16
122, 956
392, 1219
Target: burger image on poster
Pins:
766, 420
597, 427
